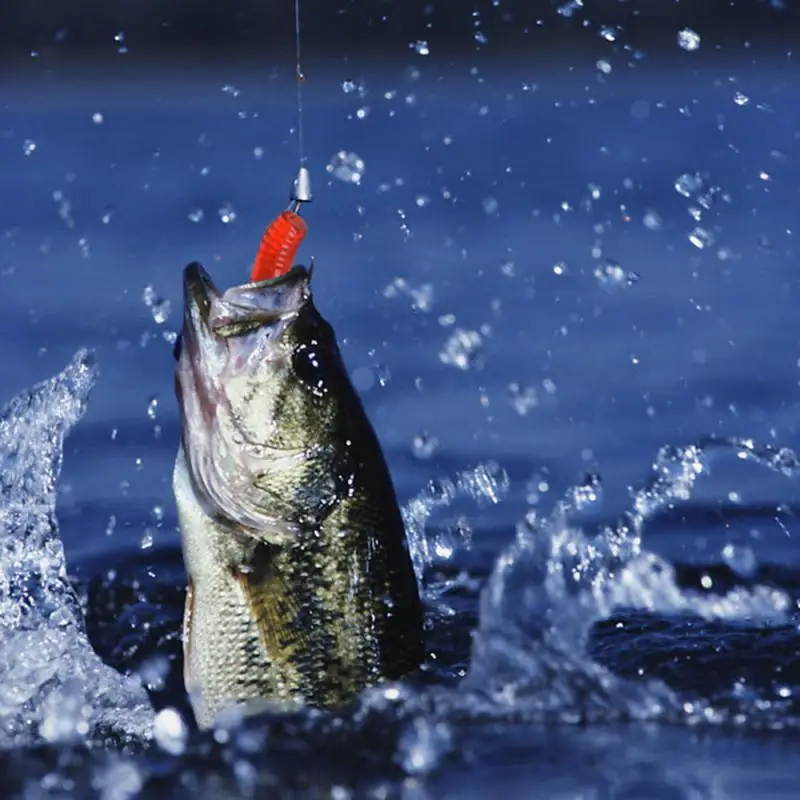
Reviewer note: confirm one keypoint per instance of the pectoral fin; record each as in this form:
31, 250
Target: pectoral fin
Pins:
275, 609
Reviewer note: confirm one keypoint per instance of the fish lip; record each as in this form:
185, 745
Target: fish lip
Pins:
207, 310
297, 273
273, 300
199, 293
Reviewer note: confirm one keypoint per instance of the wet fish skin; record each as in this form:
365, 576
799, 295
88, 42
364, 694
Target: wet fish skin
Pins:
301, 588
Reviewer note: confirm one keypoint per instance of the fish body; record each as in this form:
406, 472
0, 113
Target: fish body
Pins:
301, 589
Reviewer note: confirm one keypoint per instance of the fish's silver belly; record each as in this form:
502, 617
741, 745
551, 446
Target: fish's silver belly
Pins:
224, 656
225, 660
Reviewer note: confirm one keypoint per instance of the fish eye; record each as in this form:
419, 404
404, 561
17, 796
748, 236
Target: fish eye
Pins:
176, 348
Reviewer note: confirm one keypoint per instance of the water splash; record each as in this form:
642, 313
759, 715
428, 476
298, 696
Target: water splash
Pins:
548, 589
486, 483
347, 167
531, 655
53, 687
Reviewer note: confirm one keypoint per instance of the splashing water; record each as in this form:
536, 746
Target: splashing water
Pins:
347, 167
53, 687
688, 39
462, 349
485, 483
550, 587
531, 653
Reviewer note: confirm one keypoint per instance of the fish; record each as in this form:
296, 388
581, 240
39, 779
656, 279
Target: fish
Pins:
301, 590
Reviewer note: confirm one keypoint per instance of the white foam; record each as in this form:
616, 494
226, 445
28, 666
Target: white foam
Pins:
53, 687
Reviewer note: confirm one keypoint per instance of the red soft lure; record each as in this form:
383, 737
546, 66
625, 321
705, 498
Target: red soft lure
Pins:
279, 246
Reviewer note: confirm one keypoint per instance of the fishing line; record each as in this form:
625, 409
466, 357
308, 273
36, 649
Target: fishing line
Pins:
300, 80
282, 238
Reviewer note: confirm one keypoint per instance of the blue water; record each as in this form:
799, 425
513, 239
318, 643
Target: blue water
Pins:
504, 189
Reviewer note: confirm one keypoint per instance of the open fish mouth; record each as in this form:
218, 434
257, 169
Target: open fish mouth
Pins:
213, 318
245, 307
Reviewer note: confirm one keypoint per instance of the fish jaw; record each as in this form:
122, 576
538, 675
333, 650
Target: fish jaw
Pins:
214, 368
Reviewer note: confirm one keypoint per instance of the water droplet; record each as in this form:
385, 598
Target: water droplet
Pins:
159, 307
609, 33
421, 296
740, 99
652, 220
258, 153
611, 276
350, 86
363, 112
537, 485
508, 268
152, 407
119, 38
29, 147
227, 214
701, 238
196, 215
170, 731
231, 90
97, 118
603, 66
569, 9
422, 745
107, 214
490, 205
154, 672
424, 446
421, 47
480, 37
688, 39
462, 350
64, 208
346, 167
588, 493
688, 184
523, 398
741, 559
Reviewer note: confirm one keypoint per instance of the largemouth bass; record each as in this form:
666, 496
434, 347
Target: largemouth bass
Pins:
301, 589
